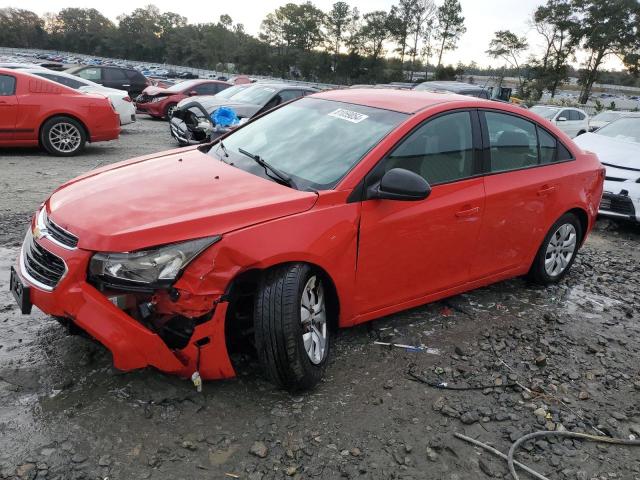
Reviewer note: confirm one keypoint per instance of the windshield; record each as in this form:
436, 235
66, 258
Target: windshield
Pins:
230, 92
545, 112
606, 117
180, 86
314, 141
256, 94
625, 129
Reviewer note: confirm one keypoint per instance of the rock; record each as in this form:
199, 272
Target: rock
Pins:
355, 452
460, 351
388, 385
259, 449
189, 445
636, 385
291, 471
469, 417
541, 360
583, 395
432, 456
78, 458
25, 470
486, 468
619, 416
540, 412
104, 461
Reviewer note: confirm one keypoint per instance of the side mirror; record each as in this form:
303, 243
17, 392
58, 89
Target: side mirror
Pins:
192, 93
561, 119
400, 184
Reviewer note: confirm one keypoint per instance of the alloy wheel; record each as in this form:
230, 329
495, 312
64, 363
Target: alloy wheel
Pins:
560, 250
314, 320
170, 111
65, 137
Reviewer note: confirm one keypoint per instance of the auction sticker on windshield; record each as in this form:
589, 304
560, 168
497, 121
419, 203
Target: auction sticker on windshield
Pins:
348, 115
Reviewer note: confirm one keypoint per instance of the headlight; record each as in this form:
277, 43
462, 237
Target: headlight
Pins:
157, 99
153, 268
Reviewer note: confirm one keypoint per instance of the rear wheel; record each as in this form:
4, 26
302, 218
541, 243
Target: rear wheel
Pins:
558, 251
62, 136
291, 329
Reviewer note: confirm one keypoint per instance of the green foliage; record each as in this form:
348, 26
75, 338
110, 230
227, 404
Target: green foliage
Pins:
450, 26
447, 73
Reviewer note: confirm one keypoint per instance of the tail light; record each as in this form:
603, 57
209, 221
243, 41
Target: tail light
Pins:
127, 98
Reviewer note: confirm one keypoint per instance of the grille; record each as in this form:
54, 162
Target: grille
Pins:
40, 264
60, 234
617, 204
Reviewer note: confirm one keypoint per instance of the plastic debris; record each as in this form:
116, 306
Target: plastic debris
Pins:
225, 117
410, 348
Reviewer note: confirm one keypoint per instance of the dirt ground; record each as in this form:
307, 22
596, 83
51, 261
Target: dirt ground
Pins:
65, 413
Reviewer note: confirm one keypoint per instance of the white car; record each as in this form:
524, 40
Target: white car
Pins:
605, 118
618, 148
119, 98
571, 121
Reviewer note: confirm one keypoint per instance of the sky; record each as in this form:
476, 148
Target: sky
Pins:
483, 18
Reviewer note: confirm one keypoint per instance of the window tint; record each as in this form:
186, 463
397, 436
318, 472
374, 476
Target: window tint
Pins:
548, 147
566, 114
93, 74
135, 76
576, 115
207, 89
440, 151
7, 85
513, 142
287, 95
114, 75
69, 82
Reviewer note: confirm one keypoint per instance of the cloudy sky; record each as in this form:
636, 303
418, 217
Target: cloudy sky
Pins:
482, 17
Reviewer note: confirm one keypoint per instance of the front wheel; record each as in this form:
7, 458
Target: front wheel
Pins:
291, 326
168, 111
558, 251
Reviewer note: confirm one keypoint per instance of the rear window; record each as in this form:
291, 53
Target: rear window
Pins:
135, 76
7, 85
69, 82
94, 74
114, 75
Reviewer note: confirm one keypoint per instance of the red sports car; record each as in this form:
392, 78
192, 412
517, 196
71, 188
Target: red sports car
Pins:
329, 211
161, 102
35, 111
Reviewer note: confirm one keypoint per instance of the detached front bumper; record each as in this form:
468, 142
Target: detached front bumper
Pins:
131, 343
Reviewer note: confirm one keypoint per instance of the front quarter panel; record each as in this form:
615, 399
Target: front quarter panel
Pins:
325, 236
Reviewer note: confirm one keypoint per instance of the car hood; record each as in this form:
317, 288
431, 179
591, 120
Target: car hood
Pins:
170, 197
210, 103
621, 159
152, 91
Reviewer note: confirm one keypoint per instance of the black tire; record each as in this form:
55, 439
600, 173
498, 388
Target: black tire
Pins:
538, 272
168, 110
278, 328
76, 131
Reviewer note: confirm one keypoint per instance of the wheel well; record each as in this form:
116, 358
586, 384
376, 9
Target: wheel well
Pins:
84, 127
583, 218
241, 296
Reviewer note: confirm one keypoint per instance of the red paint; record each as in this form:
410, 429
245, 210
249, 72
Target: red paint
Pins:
382, 256
37, 99
159, 108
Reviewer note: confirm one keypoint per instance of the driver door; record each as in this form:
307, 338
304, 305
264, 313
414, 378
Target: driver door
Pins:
411, 249
8, 107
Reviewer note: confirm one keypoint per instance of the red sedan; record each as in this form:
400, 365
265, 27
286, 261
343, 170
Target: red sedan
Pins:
161, 102
35, 111
329, 211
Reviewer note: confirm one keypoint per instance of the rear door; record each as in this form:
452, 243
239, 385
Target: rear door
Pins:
115, 78
522, 187
423, 247
8, 107
208, 88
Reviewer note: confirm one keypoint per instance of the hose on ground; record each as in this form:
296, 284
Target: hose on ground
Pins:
581, 436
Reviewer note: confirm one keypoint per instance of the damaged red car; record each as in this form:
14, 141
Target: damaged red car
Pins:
161, 102
326, 212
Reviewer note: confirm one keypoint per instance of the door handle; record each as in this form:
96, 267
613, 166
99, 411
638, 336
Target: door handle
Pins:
546, 190
468, 212
126, 84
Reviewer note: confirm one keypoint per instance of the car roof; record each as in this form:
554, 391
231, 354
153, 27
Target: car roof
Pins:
450, 85
405, 101
284, 86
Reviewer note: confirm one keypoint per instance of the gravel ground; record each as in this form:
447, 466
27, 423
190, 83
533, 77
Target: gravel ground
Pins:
556, 358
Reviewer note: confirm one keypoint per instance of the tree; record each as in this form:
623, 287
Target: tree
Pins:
83, 30
508, 46
554, 21
21, 28
450, 26
423, 17
400, 20
226, 21
604, 28
373, 33
336, 23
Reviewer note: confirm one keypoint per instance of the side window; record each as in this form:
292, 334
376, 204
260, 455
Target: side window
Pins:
441, 150
548, 147
114, 75
513, 142
566, 114
275, 101
135, 76
207, 89
93, 74
287, 95
7, 85
576, 115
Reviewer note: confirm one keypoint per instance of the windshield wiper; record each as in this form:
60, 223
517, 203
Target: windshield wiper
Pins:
283, 177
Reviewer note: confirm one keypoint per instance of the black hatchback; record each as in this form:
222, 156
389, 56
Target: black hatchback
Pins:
127, 79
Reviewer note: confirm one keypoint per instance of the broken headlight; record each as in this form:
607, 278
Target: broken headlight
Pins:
154, 268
